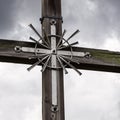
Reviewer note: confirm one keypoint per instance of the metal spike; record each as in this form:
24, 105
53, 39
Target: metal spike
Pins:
32, 27
46, 63
37, 63
66, 72
61, 38
72, 60
77, 31
62, 47
70, 65
31, 38
70, 45
75, 43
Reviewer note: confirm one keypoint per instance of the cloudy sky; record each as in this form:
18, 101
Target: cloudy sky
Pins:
94, 95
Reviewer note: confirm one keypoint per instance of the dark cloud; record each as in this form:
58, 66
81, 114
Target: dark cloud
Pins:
14, 13
96, 19
8, 14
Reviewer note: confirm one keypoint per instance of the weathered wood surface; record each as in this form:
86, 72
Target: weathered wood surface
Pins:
8, 53
52, 8
100, 60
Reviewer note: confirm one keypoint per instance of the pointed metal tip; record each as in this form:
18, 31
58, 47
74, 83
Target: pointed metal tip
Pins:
75, 43
28, 69
66, 72
77, 31
65, 30
30, 25
30, 37
79, 72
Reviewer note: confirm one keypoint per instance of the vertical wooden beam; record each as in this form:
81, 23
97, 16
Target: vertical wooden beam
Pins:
52, 8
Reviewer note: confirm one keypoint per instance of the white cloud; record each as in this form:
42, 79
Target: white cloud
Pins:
91, 5
112, 43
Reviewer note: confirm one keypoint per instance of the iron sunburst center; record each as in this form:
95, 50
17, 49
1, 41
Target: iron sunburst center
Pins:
53, 54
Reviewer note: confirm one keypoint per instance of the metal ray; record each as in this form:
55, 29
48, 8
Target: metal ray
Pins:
61, 38
74, 43
77, 31
70, 65
72, 60
31, 38
37, 63
70, 45
32, 27
46, 63
66, 72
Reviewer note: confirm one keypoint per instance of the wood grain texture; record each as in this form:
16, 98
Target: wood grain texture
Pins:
52, 8
100, 60
8, 54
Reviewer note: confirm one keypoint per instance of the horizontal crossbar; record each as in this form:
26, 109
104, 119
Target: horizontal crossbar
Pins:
100, 60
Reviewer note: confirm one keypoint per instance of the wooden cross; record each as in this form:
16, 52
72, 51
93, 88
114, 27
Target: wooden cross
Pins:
55, 54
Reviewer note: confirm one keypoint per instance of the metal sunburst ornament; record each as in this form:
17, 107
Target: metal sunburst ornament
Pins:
53, 51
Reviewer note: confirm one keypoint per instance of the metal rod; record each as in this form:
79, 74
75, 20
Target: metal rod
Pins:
74, 43
77, 31
66, 72
32, 27
71, 66
70, 45
61, 38
31, 38
37, 63
72, 60
46, 63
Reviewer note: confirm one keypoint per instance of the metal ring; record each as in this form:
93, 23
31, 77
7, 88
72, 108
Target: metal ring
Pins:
58, 36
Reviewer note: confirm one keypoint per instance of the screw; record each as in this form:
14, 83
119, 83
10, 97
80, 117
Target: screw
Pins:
52, 22
17, 48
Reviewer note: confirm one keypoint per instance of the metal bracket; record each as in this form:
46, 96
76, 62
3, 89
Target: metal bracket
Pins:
53, 52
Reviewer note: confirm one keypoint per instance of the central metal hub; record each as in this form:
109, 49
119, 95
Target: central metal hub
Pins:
54, 52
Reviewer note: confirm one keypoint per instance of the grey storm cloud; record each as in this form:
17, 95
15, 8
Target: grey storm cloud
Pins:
14, 12
8, 12
96, 19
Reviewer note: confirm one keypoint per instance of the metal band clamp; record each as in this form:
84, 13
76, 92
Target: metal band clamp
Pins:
51, 17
